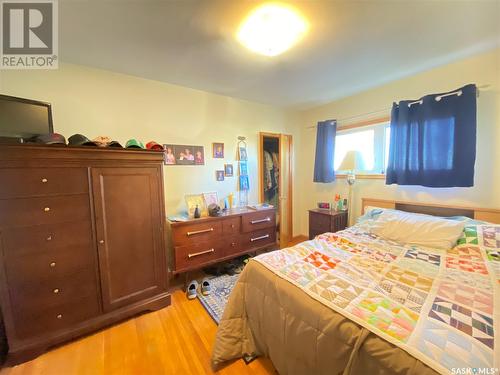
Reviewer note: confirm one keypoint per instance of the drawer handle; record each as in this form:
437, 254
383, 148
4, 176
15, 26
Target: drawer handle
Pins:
200, 231
46, 209
56, 291
49, 238
233, 244
59, 316
44, 180
52, 264
259, 238
200, 253
267, 219
101, 241
232, 226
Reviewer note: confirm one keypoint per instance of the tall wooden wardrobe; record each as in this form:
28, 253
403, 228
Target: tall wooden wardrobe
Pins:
81, 241
275, 180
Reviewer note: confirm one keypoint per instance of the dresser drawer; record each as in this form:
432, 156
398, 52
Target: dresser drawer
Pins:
259, 238
196, 255
194, 233
233, 245
231, 226
30, 297
258, 220
49, 265
45, 210
29, 182
69, 237
36, 323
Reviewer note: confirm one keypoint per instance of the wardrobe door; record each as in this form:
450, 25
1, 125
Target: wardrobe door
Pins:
129, 224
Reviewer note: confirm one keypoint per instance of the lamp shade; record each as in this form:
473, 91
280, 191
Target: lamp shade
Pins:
353, 161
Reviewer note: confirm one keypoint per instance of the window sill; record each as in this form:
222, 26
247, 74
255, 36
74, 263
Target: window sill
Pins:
364, 176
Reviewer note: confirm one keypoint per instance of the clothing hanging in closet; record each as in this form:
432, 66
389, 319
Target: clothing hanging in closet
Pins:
271, 177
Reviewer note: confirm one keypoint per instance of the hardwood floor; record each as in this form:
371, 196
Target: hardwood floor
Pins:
175, 340
296, 240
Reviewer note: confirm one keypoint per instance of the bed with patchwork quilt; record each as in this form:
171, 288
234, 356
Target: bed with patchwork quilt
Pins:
352, 302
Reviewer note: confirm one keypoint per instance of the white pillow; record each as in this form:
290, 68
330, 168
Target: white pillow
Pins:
417, 229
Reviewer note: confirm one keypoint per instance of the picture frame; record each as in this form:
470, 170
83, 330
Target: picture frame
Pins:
218, 150
228, 170
211, 198
193, 200
183, 155
243, 168
242, 153
219, 175
244, 183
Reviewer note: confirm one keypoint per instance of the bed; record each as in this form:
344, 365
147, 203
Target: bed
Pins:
352, 302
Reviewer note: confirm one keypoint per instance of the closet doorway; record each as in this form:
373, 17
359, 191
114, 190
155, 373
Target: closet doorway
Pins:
275, 180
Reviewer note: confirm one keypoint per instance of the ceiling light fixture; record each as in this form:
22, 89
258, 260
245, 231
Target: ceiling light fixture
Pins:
272, 28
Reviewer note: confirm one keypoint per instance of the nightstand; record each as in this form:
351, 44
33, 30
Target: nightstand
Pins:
322, 221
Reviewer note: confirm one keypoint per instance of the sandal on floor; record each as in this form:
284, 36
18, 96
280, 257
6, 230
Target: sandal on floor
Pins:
206, 288
191, 290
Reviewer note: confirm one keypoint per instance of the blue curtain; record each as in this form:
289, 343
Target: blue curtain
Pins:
325, 148
433, 140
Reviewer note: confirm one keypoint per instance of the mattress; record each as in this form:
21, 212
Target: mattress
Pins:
352, 303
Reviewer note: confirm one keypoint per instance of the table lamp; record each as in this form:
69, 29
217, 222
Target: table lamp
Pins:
353, 161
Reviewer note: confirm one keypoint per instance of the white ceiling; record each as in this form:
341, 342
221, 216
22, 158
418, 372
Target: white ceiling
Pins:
351, 45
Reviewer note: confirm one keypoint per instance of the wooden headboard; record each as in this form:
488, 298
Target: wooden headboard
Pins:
491, 215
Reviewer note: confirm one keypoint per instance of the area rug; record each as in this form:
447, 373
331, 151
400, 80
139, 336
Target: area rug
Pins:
216, 301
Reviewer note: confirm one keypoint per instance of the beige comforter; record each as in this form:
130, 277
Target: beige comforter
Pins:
268, 316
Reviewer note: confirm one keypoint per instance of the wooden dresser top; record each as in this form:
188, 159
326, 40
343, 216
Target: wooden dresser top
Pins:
61, 152
327, 212
225, 214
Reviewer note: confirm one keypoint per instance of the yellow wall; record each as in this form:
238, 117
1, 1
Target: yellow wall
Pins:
96, 102
481, 69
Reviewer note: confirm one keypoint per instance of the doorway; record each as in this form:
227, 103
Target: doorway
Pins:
275, 180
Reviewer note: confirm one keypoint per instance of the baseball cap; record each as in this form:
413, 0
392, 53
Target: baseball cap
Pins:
154, 146
134, 143
105, 141
80, 140
51, 139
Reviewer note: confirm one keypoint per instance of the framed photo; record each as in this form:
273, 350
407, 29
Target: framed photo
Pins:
243, 168
194, 200
228, 170
199, 155
218, 150
243, 153
169, 155
244, 183
210, 198
183, 155
219, 175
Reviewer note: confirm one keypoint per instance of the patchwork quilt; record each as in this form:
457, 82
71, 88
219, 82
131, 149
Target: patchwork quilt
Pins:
442, 307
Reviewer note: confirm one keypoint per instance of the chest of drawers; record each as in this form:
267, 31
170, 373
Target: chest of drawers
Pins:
71, 259
201, 242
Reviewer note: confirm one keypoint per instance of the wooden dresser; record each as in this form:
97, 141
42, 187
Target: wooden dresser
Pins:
322, 221
201, 242
82, 241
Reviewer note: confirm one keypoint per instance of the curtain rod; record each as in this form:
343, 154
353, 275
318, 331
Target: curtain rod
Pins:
388, 109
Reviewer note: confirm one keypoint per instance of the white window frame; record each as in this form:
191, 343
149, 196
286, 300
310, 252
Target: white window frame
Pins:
379, 147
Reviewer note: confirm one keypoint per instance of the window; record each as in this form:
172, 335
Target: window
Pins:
373, 143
